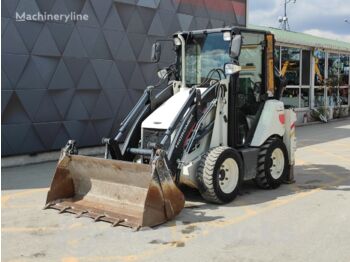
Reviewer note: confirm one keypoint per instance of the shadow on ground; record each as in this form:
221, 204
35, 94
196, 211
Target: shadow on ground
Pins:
308, 177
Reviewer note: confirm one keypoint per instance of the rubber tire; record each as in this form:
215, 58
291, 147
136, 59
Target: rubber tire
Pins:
208, 177
263, 178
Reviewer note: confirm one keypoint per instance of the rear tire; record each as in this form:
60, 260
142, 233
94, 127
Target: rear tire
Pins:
219, 175
272, 164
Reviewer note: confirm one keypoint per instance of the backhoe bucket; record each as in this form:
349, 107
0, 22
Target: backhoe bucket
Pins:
122, 193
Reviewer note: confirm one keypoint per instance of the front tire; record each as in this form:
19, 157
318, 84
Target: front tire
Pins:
272, 164
219, 175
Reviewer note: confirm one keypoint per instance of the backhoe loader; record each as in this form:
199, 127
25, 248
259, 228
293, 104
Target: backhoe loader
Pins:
217, 122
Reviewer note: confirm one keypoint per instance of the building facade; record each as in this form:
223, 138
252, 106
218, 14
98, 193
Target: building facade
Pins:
78, 79
317, 72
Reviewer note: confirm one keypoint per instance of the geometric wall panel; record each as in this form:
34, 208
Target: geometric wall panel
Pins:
78, 80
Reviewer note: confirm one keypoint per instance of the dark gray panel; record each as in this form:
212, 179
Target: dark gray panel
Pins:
89, 136
5, 82
15, 135
136, 24
14, 113
13, 66
12, 42
75, 129
27, 6
113, 20
102, 108
185, 21
114, 80
45, 5
77, 110
103, 127
136, 42
88, 10
89, 79
61, 78
10, 7
31, 78
76, 67
47, 67
62, 100
47, 111
75, 5
61, 138
5, 98
32, 142
102, 69
101, 8
29, 32
75, 47
31, 100
147, 15
125, 51
79, 80
61, 34
114, 39
47, 132
45, 44
115, 98
59, 7
125, 13
89, 99
156, 27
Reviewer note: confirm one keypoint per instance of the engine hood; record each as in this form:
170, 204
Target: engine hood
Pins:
163, 116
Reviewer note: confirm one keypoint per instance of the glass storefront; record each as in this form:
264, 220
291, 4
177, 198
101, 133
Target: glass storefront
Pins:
291, 65
344, 70
291, 97
331, 76
320, 64
319, 96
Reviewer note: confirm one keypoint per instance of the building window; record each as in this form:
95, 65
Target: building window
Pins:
319, 96
344, 70
304, 97
291, 65
333, 70
277, 56
344, 95
332, 96
305, 74
291, 96
320, 61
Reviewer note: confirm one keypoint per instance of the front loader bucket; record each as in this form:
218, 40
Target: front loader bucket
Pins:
122, 193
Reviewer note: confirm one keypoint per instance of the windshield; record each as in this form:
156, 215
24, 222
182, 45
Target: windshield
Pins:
204, 53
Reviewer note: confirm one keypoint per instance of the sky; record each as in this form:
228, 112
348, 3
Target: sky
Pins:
323, 18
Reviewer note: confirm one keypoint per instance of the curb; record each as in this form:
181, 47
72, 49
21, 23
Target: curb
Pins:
319, 123
22, 160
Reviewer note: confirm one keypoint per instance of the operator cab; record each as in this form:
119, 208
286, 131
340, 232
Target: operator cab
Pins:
206, 54
202, 60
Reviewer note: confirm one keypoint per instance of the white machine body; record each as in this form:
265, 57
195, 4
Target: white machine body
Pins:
274, 121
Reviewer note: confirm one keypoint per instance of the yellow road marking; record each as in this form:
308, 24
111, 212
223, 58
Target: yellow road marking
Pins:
249, 213
69, 259
6, 197
26, 229
329, 154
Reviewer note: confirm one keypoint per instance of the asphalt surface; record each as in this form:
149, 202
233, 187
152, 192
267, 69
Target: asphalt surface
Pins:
305, 221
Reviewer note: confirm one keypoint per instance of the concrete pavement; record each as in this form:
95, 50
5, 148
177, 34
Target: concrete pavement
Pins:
305, 221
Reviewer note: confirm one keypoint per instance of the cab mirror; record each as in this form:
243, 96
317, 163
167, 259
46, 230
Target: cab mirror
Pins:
235, 48
231, 69
156, 51
162, 73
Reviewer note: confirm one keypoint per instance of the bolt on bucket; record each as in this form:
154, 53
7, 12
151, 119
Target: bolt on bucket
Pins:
122, 193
